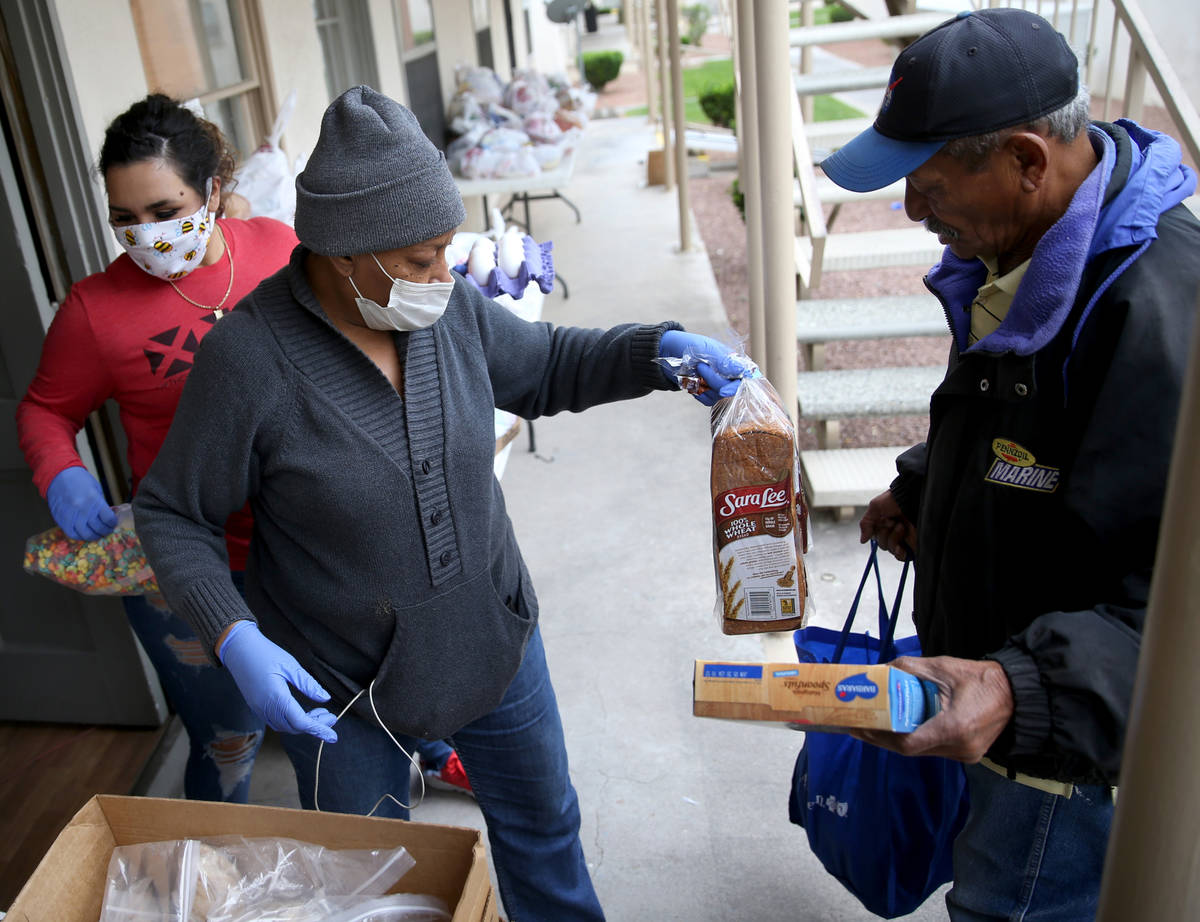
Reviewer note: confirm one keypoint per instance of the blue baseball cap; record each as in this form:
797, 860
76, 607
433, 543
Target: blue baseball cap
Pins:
979, 72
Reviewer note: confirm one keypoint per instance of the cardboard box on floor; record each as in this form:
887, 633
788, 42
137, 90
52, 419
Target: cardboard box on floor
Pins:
68, 885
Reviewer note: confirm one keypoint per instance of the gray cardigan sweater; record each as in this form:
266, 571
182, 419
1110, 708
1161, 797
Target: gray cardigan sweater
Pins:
381, 549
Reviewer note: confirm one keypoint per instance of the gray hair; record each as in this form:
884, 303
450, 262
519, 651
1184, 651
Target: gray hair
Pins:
1063, 124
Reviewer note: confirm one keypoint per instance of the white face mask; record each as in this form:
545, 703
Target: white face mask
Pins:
411, 305
169, 250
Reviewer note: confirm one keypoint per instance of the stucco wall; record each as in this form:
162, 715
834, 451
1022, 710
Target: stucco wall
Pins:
386, 33
455, 41
296, 63
96, 34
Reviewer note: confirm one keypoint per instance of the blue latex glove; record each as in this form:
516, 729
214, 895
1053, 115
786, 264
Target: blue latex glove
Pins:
263, 671
722, 371
78, 505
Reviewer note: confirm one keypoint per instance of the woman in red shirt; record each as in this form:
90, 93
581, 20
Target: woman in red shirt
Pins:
130, 333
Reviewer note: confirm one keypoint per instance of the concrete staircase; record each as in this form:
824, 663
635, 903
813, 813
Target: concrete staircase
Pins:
834, 476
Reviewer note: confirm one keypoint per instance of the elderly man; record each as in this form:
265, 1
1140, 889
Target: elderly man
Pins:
1069, 282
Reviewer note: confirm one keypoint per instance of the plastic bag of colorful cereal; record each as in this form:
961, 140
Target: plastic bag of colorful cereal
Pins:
113, 565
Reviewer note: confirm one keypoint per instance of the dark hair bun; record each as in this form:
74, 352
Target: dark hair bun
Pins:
160, 128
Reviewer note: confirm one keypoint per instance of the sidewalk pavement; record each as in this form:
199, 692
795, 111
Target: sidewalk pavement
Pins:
683, 817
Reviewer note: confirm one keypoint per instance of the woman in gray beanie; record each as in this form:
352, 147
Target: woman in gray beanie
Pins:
349, 399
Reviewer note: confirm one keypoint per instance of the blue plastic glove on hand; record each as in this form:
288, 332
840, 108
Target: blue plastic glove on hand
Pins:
722, 368
78, 505
263, 672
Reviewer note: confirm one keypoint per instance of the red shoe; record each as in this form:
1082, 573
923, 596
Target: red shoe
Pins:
451, 776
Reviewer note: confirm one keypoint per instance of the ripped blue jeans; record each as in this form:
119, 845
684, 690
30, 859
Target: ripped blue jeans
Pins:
224, 734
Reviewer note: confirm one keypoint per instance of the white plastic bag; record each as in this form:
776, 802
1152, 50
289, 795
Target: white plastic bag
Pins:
529, 92
238, 879
266, 180
480, 82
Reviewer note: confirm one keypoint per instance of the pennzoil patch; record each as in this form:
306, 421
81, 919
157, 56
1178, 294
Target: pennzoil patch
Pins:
1015, 466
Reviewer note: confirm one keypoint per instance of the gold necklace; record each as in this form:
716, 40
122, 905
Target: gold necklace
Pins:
215, 308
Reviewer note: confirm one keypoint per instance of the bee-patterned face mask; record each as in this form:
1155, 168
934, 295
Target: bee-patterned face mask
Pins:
169, 250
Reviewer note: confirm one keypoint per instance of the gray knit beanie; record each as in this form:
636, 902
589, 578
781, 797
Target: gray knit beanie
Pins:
374, 182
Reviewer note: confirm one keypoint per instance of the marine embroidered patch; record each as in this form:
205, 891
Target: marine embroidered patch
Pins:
1015, 466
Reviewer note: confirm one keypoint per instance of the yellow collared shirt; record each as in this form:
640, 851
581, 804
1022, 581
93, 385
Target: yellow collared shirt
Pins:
993, 299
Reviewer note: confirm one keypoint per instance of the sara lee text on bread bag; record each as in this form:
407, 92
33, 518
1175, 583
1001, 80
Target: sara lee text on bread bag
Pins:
759, 516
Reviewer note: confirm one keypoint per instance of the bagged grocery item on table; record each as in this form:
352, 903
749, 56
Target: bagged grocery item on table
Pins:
495, 153
542, 129
112, 565
481, 82
239, 879
575, 103
529, 92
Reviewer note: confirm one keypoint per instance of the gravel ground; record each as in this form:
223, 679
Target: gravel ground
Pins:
724, 236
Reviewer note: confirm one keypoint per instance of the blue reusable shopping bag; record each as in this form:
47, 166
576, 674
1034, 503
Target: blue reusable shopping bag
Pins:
881, 823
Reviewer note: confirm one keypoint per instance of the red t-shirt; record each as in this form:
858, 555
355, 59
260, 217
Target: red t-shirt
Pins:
126, 335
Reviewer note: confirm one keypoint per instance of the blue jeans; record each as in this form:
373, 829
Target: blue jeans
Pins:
516, 761
1028, 856
224, 735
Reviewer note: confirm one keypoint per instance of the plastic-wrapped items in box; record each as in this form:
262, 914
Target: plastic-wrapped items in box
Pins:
112, 565
508, 265
238, 879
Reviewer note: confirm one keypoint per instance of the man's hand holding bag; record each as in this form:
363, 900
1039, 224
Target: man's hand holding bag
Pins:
882, 823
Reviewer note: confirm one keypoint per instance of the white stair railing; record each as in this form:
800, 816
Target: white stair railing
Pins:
1130, 30
1144, 57
811, 220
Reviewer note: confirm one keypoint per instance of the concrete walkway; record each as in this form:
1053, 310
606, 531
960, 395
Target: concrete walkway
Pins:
683, 818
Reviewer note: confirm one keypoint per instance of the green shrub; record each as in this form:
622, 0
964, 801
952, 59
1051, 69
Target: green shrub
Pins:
739, 200
717, 101
696, 16
599, 67
837, 12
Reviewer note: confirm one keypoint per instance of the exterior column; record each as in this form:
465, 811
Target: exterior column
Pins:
1150, 871
664, 96
647, 59
681, 177
774, 75
749, 175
